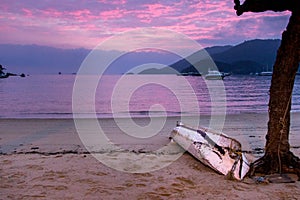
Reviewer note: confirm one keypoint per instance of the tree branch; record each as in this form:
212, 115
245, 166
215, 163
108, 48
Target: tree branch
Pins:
264, 5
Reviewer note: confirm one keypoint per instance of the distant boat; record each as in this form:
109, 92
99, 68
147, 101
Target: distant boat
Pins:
265, 74
215, 75
4, 75
190, 74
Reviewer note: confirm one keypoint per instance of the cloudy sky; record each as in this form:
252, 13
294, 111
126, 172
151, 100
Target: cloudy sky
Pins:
86, 23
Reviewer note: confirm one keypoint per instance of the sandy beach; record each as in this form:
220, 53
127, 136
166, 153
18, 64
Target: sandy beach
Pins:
45, 159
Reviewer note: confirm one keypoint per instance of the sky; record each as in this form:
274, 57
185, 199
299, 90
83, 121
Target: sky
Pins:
86, 23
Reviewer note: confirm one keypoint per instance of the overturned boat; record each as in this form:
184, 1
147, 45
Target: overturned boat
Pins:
215, 150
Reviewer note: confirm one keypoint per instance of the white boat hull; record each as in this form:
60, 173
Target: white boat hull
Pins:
214, 77
217, 151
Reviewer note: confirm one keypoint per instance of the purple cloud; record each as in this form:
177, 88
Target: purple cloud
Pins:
80, 23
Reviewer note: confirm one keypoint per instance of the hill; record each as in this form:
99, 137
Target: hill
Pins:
40, 59
35, 59
248, 57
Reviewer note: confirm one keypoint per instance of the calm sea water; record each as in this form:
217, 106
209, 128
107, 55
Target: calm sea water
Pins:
50, 96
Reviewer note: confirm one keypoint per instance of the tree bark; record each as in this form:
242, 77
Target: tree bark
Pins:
278, 158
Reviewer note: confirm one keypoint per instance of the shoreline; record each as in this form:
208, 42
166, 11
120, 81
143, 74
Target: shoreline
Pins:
109, 116
46, 159
145, 116
26, 135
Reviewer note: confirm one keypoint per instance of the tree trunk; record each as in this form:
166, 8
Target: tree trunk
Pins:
278, 158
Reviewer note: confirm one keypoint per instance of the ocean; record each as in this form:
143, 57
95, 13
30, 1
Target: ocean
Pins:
52, 96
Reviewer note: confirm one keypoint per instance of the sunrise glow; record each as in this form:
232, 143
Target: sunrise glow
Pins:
85, 24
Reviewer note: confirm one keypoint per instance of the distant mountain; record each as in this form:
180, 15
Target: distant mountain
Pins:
248, 57
217, 49
148, 59
43, 59
165, 70
40, 59
259, 51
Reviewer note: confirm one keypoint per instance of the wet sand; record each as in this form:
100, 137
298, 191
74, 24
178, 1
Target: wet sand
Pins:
45, 159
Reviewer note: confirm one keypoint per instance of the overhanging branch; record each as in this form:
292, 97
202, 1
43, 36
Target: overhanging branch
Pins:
265, 5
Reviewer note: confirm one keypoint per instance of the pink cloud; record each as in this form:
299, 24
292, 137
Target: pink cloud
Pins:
80, 13
50, 13
27, 12
112, 14
84, 23
113, 2
150, 12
